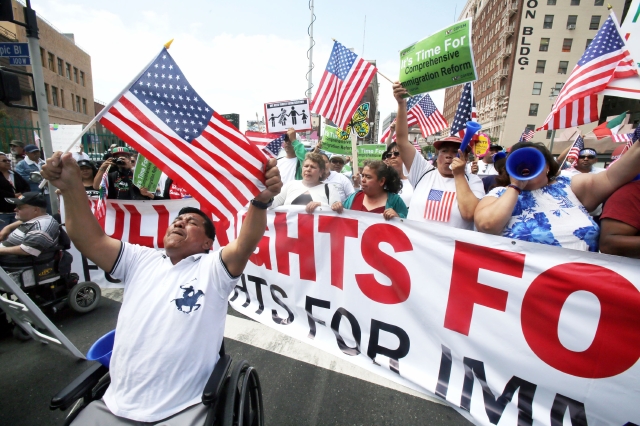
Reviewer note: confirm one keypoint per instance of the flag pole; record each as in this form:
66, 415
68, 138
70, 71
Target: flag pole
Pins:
107, 107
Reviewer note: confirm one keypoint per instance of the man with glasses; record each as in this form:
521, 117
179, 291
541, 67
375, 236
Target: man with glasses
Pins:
585, 164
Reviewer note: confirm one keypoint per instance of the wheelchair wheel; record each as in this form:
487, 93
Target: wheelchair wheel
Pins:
20, 334
243, 401
84, 297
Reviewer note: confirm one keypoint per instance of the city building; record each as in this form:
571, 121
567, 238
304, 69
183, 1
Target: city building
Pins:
524, 52
66, 70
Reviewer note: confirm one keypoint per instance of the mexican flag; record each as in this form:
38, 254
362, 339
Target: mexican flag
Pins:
609, 128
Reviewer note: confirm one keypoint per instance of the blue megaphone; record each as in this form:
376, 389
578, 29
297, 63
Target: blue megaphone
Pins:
525, 163
498, 156
101, 350
472, 129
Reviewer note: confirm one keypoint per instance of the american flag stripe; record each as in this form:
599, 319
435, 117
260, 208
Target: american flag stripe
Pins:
432, 124
440, 210
605, 60
261, 139
342, 85
224, 193
622, 137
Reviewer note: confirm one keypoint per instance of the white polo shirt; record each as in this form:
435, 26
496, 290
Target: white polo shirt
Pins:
169, 331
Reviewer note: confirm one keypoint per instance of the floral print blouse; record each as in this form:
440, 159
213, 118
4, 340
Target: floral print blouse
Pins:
551, 215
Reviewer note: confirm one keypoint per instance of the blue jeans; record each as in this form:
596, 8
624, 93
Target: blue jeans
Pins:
6, 219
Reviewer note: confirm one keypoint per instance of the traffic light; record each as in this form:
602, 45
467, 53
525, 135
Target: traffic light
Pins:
9, 87
6, 10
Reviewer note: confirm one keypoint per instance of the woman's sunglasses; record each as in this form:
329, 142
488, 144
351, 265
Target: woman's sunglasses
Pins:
391, 154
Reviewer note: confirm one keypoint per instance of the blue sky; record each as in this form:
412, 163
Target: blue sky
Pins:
240, 54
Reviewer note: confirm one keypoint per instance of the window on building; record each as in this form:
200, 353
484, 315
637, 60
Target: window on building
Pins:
544, 44
46, 91
562, 67
54, 95
557, 88
84, 106
537, 88
533, 109
68, 70
75, 74
575, 2
571, 22
598, 3
60, 66
82, 77
540, 67
589, 40
531, 127
548, 21
77, 103
42, 57
595, 22
50, 62
549, 132
62, 98
566, 44
551, 2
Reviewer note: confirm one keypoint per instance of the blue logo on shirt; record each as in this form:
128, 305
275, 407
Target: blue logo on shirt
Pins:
188, 300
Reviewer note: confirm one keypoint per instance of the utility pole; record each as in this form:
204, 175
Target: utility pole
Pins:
309, 91
41, 97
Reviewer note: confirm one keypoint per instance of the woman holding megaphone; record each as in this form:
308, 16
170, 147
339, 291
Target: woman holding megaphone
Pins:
540, 207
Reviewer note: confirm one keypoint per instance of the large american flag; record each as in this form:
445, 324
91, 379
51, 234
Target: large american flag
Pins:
574, 152
605, 60
527, 135
466, 111
343, 84
269, 143
163, 118
439, 205
422, 111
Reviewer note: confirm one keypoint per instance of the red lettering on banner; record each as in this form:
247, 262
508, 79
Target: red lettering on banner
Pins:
118, 225
163, 223
400, 286
615, 346
134, 227
303, 246
465, 291
338, 228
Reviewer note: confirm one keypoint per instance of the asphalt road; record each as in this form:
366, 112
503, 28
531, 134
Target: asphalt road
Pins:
294, 392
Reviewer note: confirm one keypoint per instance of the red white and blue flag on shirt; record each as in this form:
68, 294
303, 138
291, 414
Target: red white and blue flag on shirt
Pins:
439, 205
606, 59
269, 143
527, 135
344, 82
422, 111
163, 117
466, 111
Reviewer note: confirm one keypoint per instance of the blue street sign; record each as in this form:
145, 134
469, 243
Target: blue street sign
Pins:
19, 61
14, 49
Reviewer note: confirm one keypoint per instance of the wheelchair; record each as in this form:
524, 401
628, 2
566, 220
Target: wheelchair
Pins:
232, 399
49, 282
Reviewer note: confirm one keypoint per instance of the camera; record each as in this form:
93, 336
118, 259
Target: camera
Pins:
120, 162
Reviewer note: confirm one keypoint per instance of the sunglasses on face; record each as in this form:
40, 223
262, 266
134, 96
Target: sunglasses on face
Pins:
392, 154
589, 157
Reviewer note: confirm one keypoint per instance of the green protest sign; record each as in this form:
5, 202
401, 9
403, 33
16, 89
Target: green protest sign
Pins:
332, 143
441, 60
146, 175
370, 152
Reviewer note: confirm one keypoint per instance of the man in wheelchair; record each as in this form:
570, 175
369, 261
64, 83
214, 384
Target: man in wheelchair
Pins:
171, 322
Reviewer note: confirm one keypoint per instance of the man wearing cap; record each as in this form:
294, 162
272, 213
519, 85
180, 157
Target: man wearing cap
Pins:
164, 351
31, 163
17, 153
290, 165
120, 169
486, 166
446, 194
34, 232
342, 183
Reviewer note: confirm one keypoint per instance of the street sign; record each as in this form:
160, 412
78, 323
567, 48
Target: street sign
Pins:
14, 49
19, 60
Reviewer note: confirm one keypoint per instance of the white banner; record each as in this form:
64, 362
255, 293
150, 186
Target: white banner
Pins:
508, 332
